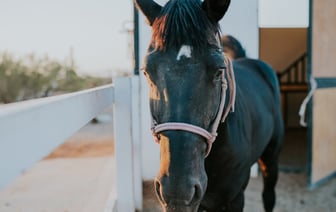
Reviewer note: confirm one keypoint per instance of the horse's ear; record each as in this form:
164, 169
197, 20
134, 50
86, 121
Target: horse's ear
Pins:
149, 8
216, 9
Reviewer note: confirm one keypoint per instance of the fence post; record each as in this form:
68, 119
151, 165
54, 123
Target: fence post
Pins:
150, 150
123, 145
136, 141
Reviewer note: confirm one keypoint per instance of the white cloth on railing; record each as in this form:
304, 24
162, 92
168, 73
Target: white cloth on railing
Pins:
302, 111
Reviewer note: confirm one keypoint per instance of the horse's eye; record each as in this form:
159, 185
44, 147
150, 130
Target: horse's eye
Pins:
219, 73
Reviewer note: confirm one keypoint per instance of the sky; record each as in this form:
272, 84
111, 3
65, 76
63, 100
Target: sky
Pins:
93, 29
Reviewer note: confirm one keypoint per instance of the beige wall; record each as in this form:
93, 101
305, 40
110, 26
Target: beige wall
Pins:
324, 33
324, 134
324, 99
281, 46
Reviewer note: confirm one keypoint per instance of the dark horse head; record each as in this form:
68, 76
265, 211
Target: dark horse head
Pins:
232, 47
185, 68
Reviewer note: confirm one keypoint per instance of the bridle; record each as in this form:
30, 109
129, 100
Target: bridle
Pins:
211, 135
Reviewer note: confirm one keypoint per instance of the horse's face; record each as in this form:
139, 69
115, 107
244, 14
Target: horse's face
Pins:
184, 67
183, 89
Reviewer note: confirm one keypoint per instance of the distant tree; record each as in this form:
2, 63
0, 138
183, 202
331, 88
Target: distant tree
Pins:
30, 77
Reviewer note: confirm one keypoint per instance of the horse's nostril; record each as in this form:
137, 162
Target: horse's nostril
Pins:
197, 194
178, 194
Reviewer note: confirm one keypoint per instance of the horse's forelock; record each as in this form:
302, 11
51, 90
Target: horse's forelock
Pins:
183, 22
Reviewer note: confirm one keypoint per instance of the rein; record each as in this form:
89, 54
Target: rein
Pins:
211, 135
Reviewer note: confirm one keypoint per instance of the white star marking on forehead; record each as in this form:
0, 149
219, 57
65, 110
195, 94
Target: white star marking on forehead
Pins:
184, 51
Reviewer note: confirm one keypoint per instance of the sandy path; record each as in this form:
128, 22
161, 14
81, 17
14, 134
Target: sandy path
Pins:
292, 196
93, 140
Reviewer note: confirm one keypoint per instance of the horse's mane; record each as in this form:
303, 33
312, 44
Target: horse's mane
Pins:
183, 22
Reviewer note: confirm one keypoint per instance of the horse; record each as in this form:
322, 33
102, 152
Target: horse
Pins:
212, 118
232, 47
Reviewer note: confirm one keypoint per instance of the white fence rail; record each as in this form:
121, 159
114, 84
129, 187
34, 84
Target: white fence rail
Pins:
30, 130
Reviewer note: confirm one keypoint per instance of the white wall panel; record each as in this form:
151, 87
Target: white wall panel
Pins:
285, 13
241, 21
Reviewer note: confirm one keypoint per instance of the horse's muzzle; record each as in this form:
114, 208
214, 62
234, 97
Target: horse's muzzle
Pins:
184, 197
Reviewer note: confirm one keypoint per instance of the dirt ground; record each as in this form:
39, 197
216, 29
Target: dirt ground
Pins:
93, 140
292, 193
292, 196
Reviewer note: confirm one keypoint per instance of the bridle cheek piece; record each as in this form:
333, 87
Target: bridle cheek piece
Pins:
211, 135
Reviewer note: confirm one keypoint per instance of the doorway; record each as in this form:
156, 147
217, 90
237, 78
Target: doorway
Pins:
285, 49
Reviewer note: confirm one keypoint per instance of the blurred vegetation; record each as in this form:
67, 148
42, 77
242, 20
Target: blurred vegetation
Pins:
31, 77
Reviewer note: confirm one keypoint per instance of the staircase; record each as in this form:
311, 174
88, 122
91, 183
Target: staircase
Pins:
293, 79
